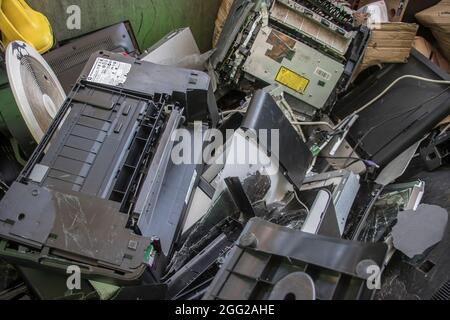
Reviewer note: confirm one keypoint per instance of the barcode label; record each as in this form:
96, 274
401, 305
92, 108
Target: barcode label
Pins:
322, 73
109, 72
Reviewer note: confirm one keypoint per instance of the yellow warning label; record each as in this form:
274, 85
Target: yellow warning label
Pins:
292, 80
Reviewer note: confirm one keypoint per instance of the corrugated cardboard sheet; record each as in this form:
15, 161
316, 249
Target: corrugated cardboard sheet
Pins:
221, 18
390, 43
437, 18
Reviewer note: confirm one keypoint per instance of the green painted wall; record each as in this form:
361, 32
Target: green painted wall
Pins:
151, 19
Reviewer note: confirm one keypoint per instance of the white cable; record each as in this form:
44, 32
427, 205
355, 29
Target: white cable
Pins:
3, 186
444, 130
287, 108
243, 111
320, 123
301, 203
392, 85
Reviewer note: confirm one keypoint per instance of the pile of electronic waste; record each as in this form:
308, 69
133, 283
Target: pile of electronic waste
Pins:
332, 211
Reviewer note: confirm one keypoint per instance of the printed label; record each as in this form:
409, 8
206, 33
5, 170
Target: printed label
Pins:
292, 80
109, 72
323, 74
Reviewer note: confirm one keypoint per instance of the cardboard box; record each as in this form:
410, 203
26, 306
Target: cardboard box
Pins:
432, 53
437, 18
391, 43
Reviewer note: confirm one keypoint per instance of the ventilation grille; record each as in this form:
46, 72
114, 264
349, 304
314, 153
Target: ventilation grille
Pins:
443, 294
80, 55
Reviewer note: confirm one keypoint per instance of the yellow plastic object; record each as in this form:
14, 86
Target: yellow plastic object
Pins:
18, 21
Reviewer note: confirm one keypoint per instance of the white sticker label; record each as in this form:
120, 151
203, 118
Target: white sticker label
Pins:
109, 72
323, 74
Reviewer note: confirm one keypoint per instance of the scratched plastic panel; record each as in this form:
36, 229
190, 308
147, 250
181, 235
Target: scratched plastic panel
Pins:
93, 141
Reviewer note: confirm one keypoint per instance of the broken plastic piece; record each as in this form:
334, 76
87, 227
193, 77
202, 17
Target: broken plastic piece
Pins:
417, 231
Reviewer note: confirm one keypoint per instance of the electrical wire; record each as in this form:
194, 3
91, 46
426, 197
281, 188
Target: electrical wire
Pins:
395, 116
287, 108
295, 123
318, 123
367, 105
350, 164
3, 187
370, 103
340, 158
301, 203
226, 115
231, 112
444, 130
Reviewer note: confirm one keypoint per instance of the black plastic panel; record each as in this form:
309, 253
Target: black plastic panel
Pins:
267, 253
69, 60
403, 116
295, 156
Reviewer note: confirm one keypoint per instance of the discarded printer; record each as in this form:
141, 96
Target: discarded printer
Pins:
89, 195
309, 47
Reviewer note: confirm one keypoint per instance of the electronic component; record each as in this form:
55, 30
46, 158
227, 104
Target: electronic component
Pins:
308, 47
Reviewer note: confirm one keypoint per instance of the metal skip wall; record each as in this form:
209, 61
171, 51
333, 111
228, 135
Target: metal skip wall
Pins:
151, 19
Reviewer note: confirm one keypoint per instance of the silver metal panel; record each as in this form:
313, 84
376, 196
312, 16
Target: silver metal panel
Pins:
344, 186
293, 14
173, 48
317, 213
322, 72
344, 197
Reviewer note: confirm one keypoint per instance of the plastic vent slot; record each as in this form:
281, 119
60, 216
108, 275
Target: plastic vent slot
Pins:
443, 294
